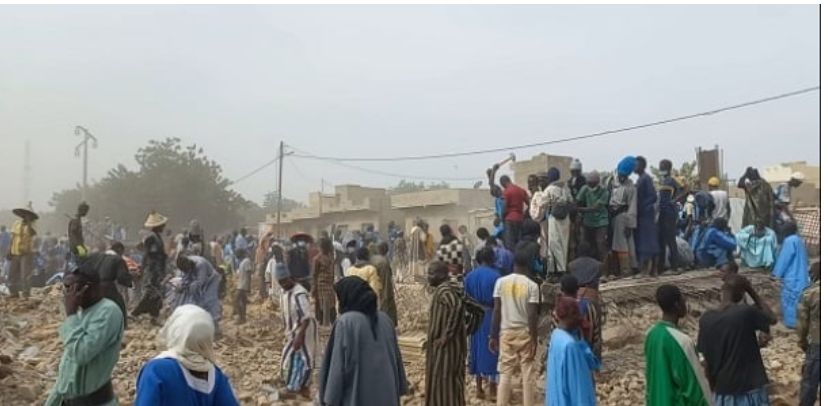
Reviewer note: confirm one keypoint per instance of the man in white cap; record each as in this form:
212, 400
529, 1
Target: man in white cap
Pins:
154, 266
783, 197
21, 252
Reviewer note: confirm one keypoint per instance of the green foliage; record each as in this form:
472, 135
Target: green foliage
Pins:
176, 180
687, 171
271, 201
410, 186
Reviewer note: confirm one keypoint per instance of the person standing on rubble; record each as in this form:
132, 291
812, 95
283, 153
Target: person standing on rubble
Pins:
808, 332
570, 362
674, 373
76, 242
185, 374
154, 268
514, 327
446, 348
22, 251
623, 208
91, 337
736, 377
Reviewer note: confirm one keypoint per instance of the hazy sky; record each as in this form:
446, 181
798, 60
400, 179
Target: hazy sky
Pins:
398, 80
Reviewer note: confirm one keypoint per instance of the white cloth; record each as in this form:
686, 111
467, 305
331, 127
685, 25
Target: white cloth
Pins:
515, 292
188, 336
557, 230
720, 203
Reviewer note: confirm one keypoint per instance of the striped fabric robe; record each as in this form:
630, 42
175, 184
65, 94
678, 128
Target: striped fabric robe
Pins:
445, 366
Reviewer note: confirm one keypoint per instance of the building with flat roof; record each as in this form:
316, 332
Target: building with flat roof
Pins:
540, 163
349, 208
454, 207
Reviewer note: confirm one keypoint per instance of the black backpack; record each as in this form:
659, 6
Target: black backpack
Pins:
561, 210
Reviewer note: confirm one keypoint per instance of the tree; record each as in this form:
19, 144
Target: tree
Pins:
410, 186
687, 171
271, 201
176, 180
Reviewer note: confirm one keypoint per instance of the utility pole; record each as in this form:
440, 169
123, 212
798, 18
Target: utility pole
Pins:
279, 188
80, 130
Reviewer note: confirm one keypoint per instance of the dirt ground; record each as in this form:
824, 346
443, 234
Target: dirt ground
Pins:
30, 349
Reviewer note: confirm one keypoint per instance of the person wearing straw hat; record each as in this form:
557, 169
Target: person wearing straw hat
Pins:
154, 266
21, 252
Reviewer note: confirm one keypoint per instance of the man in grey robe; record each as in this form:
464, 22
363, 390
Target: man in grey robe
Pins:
362, 363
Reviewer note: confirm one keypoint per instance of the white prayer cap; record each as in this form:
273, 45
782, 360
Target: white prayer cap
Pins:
798, 176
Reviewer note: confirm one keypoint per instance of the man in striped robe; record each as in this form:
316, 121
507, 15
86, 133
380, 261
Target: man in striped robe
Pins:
446, 348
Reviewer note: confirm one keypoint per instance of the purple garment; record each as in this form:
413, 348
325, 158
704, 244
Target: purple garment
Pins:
646, 232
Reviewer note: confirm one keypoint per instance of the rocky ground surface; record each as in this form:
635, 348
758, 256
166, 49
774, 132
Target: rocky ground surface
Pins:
30, 350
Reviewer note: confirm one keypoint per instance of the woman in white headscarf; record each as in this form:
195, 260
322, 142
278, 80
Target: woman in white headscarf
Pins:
185, 374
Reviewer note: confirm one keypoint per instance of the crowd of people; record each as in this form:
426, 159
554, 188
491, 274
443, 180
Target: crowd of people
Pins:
487, 297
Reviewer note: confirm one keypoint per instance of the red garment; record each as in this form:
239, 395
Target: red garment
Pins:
514, 198
132, 266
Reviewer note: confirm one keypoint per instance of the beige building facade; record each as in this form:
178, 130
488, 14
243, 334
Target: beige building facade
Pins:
540, 163
353, 208
808, 194
350, 208
454, 207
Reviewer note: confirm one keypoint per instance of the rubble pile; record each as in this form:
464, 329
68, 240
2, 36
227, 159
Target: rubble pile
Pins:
30, 349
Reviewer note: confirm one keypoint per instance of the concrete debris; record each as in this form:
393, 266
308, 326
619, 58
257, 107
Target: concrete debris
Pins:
30, 349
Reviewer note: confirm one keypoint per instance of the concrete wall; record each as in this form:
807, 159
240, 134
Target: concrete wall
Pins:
453, 215
540, 163
782, 172
353, 207
471, 198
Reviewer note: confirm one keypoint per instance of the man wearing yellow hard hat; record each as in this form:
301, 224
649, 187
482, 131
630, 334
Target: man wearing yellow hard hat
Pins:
721, 202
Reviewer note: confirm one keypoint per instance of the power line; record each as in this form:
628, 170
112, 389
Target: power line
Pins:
562, 140
255, 171
307, 155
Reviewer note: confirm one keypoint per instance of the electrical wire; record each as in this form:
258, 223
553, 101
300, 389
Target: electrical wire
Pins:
255, 171
307, 155
562, 140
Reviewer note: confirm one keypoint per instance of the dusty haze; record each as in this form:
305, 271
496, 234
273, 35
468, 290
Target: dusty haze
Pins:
391, 80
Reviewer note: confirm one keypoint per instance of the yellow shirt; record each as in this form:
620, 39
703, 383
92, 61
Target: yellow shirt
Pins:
22, 238
369, 274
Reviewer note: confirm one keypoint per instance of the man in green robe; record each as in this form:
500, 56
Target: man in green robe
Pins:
674, 373
387, 302
758, 198
91, 337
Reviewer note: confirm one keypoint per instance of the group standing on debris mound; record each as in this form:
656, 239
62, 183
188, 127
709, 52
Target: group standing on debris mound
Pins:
545, 256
